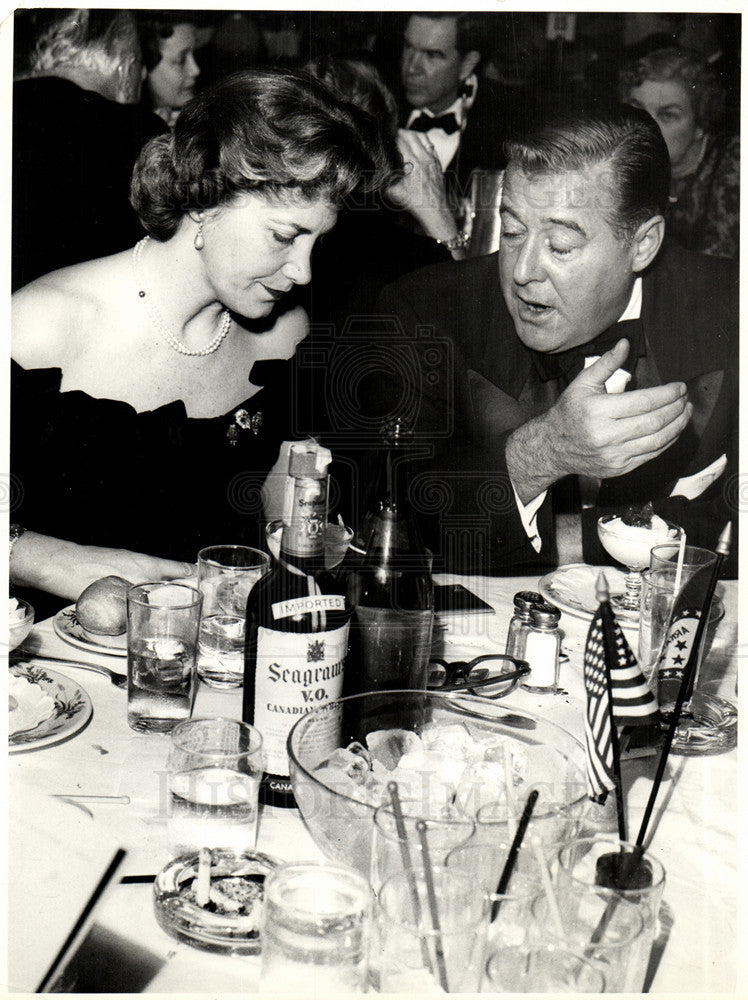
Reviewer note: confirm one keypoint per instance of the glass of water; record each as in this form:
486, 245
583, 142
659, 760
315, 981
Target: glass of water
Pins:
316, 929
162, 627
215, 768
225, 576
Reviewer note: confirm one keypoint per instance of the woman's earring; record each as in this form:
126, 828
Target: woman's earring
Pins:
199, 241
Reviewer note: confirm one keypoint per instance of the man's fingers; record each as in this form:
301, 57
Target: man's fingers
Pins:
640, 401
598, 373
653, 421
650, 436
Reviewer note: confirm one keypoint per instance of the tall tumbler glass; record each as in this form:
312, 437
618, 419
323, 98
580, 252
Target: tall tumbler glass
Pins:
225, 576
162, 628
215, 769
595, 863
316, 930
430, 943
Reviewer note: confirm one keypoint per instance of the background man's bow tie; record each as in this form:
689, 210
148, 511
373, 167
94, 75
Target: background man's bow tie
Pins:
424, 123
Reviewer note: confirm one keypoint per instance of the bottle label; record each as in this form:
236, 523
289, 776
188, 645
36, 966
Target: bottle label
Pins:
304, 522
297, 672
306, 605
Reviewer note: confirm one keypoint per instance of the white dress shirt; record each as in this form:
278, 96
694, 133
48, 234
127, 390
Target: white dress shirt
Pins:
446, 146
616, 383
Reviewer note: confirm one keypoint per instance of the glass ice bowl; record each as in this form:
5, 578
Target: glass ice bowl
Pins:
20, 621
341, 821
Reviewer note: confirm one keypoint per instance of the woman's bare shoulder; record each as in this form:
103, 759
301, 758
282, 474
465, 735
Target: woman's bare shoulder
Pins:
52, 318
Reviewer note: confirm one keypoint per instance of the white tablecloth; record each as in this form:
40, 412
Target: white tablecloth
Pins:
695, 837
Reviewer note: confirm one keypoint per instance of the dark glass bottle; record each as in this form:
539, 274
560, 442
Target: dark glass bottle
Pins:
297, 629
391, 591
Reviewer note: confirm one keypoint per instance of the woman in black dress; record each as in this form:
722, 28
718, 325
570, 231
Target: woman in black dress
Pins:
152, 389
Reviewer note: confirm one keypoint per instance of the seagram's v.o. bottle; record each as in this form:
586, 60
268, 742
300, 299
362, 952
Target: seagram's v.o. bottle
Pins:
297, 628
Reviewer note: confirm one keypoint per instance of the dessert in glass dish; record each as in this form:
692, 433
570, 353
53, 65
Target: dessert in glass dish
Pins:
629, 539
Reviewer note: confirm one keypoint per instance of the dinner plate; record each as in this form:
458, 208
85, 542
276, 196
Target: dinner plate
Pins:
572, 588
71, 713
67, 626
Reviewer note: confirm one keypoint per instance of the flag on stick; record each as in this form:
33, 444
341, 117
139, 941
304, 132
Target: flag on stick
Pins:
633, 702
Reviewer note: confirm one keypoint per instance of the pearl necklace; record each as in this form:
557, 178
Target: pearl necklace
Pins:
160, 326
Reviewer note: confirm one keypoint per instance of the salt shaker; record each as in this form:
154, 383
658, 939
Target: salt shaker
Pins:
524, 602
542, 646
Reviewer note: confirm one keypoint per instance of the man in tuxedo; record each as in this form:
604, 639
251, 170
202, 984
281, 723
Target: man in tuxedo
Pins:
512, 367
464, 119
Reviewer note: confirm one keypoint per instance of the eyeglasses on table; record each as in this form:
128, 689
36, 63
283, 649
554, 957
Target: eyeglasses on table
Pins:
491, 675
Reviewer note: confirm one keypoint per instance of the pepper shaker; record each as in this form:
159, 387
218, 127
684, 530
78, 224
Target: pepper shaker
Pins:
524, 601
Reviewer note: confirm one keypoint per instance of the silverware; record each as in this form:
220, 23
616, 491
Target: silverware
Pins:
119, 680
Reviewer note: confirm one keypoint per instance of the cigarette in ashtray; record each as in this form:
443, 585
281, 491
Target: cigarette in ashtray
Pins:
202, 888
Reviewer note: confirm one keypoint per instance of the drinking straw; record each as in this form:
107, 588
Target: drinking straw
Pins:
431, 893
550, 895
511, 858
722, 550
511, 805
679, 566
123, 800
402, 837
202, 887
609, 643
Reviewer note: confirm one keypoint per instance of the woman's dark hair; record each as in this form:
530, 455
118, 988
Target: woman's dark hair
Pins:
626, 140
257, 130
686, 66
356, 78
155, 26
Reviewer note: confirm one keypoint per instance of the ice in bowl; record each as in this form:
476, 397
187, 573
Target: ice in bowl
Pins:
449, 756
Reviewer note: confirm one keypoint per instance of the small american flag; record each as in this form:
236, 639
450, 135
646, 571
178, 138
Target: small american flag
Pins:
633, 702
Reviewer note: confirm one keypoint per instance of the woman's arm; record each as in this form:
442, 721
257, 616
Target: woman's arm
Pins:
65, 568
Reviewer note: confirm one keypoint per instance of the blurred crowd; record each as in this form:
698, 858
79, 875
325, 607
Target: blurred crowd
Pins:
93, 86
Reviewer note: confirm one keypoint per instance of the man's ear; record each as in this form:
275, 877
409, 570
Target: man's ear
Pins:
469, 62
647, 242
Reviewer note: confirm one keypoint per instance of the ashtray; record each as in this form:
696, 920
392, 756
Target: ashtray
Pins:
230, 922
707, 725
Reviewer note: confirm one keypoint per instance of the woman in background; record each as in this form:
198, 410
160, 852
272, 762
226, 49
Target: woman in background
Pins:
169, 41
151, 390
678, 88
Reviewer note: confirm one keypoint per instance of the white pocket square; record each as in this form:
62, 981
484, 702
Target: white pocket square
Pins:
693, 486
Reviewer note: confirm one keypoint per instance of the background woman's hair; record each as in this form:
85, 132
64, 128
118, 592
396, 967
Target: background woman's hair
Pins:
82, 37
687, 67
155, 26
257, 130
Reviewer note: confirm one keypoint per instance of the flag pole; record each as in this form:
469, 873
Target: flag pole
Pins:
722, 550
603, 598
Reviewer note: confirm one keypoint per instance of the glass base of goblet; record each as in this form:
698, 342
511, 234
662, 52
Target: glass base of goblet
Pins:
626, 605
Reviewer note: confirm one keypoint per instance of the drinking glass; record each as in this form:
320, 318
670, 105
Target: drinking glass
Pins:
338, 538
540, 968
708, 724
162, 628
593, 862
551, 824
601, 927
412, 955
225, 576
483, 864
390, 850
215, 769
316, 931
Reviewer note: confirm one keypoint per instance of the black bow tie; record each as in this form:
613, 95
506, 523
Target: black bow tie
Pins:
568, 364
424, 123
